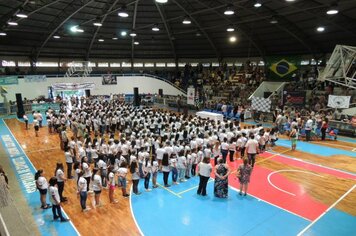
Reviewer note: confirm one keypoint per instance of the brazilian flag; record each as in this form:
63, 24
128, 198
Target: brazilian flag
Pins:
281, 68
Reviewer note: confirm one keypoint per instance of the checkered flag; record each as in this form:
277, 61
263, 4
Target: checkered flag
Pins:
261, 104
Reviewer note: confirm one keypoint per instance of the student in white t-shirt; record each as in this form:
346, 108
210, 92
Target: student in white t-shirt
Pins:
189, 164
42, 186
182, 166
59, 173
122, 172
154, 171
111, 180
82, 190
252, 148
55, 200
97, 186
204, 170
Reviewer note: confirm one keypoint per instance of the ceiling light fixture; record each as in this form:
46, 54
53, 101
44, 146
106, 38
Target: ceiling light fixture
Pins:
320, 29
114, 38
332, 10
136, 43
230, 29
229, 11
21, 14
162, 1
290, 0
232, 39
76, 29
258, 4
123, 33
56, 37
198, 34
2, 33
133, 34
98, 24
186, 21
101, 40
273, 20
122, 12
155, 28
12, 22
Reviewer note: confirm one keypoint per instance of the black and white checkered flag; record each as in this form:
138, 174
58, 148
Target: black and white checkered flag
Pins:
261, 104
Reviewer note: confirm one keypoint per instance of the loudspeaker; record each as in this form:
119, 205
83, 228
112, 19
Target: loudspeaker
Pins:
87, 93
136, 101
160, 92
266, 94
20, 109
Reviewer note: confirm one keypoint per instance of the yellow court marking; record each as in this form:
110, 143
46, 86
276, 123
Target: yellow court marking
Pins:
175, 194
189, 189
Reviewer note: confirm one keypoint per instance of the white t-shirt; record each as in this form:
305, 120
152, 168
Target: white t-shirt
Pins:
122, 171
112, 179
68, 156
252, 146
159, 153
97, 183
205, 169
59, 173
182, 162
54, 195
82, 184
42, 183
87, 171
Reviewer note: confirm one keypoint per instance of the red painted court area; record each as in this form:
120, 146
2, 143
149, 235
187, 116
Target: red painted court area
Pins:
272, 187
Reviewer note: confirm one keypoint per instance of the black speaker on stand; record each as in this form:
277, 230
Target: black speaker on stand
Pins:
20, 109
87, 93
160, 92
267, 94
136, 101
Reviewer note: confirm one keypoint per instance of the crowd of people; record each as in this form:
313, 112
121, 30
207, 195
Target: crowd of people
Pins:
107, 142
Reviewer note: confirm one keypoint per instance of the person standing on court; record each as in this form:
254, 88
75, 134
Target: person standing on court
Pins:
243, 174
308, 128
252, 148
293, 135
204, 170
222, 172
55, 200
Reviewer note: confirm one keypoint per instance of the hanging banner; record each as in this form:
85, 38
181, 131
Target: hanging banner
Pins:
35, 78
191, 96
44, 106
109, 79
261, 104
294, 98
339, 101
73, 86
6, 80
281, 68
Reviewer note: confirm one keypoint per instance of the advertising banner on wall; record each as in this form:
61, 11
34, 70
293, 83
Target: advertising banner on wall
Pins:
281, 68
294, 98
109, 79
44, 106
191, 96
73, 86
339, 101
35, 78
7, 80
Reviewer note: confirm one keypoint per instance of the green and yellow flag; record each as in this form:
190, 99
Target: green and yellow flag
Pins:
281, 68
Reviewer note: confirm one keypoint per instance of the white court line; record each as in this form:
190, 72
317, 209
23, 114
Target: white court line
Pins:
235, 189
286, 170
332, 206
133, 215
311, 163
354, 150
36, 170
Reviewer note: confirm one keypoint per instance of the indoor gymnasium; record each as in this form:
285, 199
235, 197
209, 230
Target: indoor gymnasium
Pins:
178, 117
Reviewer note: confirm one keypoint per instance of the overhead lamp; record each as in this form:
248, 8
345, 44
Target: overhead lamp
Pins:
232, 39
186, 21
56, 36
290, 0
333, 10
115, 38
155, 28
258, 4
21, 14
273, 20
12, 22
123, 33
101, 40
2, 33
320, 29
230, 29
76, 29
97, 22
162, 1
229, 11
133, 34
122, 12
198, 34
136, 43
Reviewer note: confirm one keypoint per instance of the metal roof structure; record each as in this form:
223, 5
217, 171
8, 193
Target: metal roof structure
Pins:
276, 27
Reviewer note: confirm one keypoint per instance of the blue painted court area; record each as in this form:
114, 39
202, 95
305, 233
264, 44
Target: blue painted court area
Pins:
346, 139
161, 212
333, 223
30, 119
316, 149
24, 171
